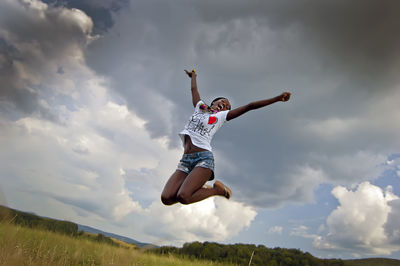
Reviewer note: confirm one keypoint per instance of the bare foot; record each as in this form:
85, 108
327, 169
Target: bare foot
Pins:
224, 190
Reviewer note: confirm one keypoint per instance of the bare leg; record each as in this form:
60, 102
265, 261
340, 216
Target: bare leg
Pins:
174, 183
192, 189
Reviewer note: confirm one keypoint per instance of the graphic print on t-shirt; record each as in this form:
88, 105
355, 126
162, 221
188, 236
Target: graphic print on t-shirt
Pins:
198, 123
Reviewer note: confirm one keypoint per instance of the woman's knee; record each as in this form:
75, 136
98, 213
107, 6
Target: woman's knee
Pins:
168, 200
183, 198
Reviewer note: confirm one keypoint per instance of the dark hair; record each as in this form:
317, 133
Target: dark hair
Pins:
219, 98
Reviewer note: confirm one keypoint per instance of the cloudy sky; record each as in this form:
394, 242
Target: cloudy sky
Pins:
93, 94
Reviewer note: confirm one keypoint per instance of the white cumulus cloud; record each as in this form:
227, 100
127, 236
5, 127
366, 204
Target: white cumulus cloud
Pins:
359, 223
213, 219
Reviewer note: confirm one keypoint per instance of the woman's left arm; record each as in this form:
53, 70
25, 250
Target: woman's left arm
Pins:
284, 97
193, 84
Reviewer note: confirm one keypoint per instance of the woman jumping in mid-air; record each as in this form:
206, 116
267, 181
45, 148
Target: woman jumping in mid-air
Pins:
196, 167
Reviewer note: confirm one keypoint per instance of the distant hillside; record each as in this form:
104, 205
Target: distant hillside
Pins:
31, 220
89, 229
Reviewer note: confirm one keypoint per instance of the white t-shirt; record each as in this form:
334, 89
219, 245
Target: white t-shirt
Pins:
202, 126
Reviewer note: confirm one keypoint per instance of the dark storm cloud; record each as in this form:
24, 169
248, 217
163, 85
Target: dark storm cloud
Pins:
34, 40
339, 57
350, 31
140, 64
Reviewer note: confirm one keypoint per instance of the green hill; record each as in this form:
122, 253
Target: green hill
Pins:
64, 227
33, 221
24, 219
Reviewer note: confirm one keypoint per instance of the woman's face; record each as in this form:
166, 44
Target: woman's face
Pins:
221, 105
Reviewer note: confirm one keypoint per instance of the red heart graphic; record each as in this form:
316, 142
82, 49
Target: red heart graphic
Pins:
212, 120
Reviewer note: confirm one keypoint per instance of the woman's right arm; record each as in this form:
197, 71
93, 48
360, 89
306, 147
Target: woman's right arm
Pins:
195, 91
284, 97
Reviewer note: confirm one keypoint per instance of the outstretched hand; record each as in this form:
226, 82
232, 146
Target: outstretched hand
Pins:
191, 74
284, 97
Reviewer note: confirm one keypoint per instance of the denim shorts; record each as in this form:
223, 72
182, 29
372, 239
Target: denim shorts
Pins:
203, 159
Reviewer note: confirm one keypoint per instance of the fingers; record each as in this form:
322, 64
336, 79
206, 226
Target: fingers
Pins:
285, 96
190, 74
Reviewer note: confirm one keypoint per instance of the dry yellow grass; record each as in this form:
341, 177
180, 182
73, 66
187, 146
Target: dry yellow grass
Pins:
25, 246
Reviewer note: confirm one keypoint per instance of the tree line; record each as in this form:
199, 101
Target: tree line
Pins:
241, 254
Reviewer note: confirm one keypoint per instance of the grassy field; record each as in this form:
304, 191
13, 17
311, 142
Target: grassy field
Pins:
25, 246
